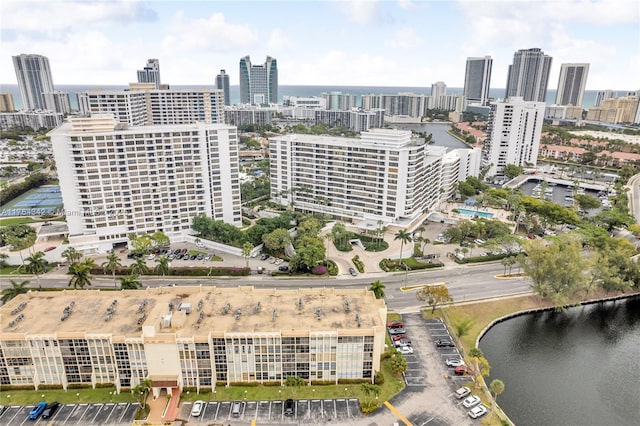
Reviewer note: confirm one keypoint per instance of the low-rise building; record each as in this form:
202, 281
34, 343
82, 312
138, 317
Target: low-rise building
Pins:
190, 336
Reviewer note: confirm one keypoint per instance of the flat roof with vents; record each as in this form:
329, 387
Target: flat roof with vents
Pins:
191, 311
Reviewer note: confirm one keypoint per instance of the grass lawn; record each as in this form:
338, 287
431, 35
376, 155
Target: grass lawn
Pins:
17, 221
24, 397
11, 270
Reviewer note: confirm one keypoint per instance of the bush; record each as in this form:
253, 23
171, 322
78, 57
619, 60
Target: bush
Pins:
273, 384
379, 378
359, 264
78, 386
353, 381
245, 384
323, 382
48, 387
332, 267
105, 385
319, 270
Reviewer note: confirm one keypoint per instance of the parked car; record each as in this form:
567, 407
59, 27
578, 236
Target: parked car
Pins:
200, 256
444, 343
396, 337
462, 392
477, 411
264, 257
151, 256
207, 257
37, 410
283, 268
50, 410
279, 261
470, 401
395, 324
196, 410
454, 362
405, 350
183, 251
461, 370
288, 407
177, 251
397, 331
235, 409
171, 256
353, 272
49, 249
193, 257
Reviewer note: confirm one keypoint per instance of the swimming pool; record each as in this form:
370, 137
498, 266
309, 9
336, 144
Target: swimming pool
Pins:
475, 213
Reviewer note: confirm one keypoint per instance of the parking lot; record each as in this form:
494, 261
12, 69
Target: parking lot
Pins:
437, 330
73, 414
416, 374
314, 411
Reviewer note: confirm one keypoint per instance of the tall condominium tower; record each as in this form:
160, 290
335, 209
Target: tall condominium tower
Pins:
603, 95
573, 78
34, 79
477, 79
258, 83
222, 83
150, 73
513, 134
528, 76
117, 180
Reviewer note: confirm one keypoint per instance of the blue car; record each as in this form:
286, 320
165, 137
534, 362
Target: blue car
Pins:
37, 410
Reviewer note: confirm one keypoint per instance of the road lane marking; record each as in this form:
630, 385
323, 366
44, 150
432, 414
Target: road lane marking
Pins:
398, 414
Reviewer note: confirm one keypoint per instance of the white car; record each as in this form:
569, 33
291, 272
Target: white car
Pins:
196, 410
151, 256
405, 350
462, 392
279, 261
470, 401
454, 362
477, 411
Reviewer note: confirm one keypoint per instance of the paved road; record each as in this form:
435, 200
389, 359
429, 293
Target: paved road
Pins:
465, 283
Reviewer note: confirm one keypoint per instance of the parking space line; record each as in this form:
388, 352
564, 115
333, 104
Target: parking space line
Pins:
123, 412
398, 414
113, 406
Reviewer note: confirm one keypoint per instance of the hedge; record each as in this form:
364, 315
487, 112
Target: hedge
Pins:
479, 259
359, 264
214, 271
353, 381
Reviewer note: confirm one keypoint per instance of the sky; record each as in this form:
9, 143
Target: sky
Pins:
406, 43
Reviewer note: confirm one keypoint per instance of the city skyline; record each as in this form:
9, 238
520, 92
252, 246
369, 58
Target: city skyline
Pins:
195, 39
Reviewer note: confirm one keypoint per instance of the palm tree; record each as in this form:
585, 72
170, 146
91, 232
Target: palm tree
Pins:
81, 273
246, 251
378, 289
404, 237
130, 282
15, 289
71, 255
36, 265
112, 265
139, 267
163, 266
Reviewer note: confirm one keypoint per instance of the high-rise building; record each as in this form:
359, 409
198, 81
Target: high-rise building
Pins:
385, 175
117, 180
571, 84
34, 79
142, 104
57, 101
477, 79
222, 83
6, 102
528, 76
258, 83
150, 73
123, 337
513, 134
338, 101
439, 88
603, 95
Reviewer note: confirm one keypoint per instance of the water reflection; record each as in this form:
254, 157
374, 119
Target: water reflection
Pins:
578, 367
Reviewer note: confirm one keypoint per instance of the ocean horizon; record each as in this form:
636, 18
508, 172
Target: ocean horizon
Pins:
292, 90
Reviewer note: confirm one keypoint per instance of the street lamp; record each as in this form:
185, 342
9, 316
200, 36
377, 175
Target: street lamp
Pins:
110, 396
9, 399
245, 396
78, 396
214, 395
42, 396
345, 392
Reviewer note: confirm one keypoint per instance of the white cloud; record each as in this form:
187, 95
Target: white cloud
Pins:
49, 17
214, 34
278, 40
404, 38
405, 4
361, 12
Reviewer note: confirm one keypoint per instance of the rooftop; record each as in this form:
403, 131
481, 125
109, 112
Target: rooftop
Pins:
212, 310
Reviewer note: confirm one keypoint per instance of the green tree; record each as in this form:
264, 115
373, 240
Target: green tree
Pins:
497, 387
294, 381
434, 295
71, 255
141, 243
508, 262
160, 238
309, 251
112, 265
556, 269
246, 252
481, 365
141, 392
162, 267
404, 237
3, 260
587, 202
16, 289
130, 282
277, 240
81, 273
36, 264
139, 267
463, 327
378, 289
398, 363
512, 170
309, 226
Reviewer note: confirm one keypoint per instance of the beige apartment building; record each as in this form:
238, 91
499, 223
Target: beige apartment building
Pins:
197, 336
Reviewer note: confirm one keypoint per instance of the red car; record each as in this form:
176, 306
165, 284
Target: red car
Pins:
395, 324
461, 370
49, 249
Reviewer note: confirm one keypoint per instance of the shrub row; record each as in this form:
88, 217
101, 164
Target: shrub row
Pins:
189, 272
359, 264
15, 190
